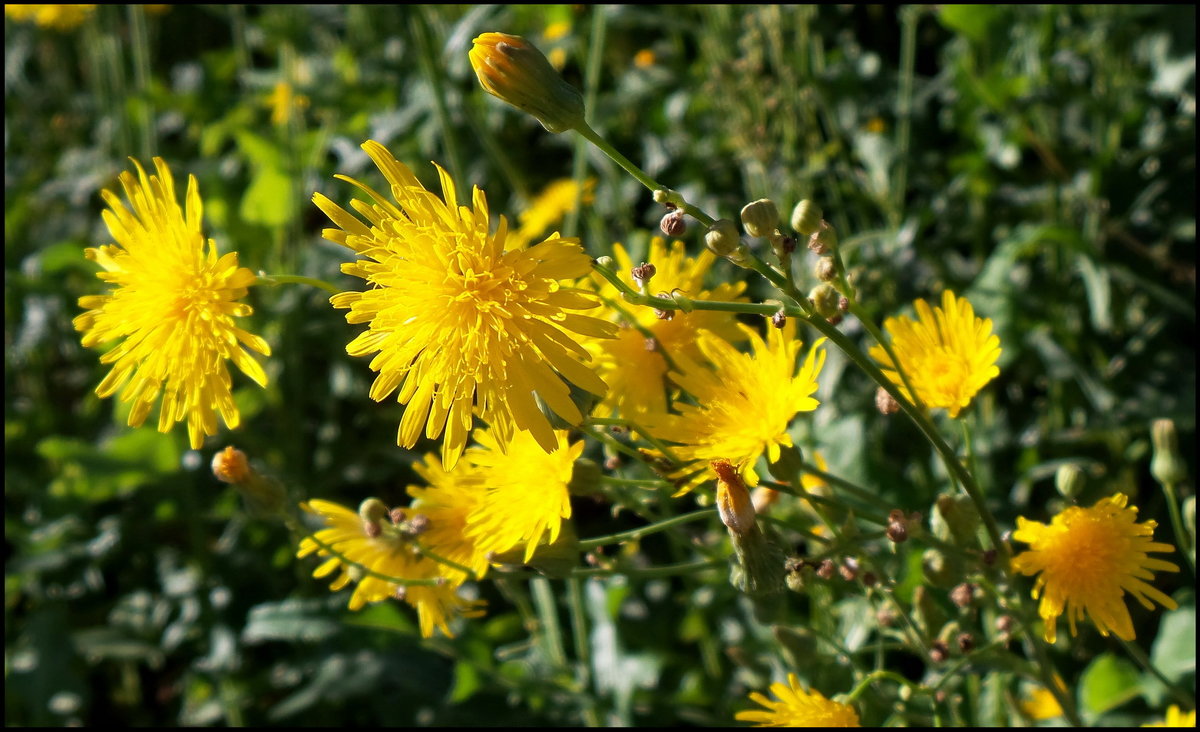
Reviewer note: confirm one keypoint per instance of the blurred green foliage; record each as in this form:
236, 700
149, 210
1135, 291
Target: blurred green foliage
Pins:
1039, 159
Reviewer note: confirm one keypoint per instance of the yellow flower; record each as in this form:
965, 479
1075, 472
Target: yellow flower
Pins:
515, 71
556, 30
57, 17
369, 556
636, 370
173, 305
644, 58
1041, 705
447, 502
948, 353
798, 708
1176, 718
555, 201
743, 406
460, 325
284, 102
526, 491
1087, 559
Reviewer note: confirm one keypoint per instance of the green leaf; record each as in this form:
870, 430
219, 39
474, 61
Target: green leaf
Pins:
971, 21
1174, 650
1108, 683
269, 199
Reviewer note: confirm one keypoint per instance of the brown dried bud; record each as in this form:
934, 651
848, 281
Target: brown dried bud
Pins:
1005, 623
779, 319
885, 402
372, 529
885, 616
396, 515
826, 569
825, 269
844, 304
642, 274
869, 579
794, 564
823, 239
673, 223
651, 344
962, 594
664, 314
612, 462
897, 527
418, 524
966, 642
849, 569
939, 652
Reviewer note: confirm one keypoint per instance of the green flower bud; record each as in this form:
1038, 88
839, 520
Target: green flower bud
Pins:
722, 238
1069, 480
825, 300
1167, 465
760, 218
826, 269
806, 217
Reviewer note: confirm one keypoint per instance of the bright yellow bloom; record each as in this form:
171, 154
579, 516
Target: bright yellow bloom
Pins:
948, 353
556, 30
1087, 559
798, 708
173, 305
515, 71
526, 491
370, 560
635, 370
1176, 718
460, 325
57, 17
1040, 705
447, 502
284, 102
743, 406
556, 200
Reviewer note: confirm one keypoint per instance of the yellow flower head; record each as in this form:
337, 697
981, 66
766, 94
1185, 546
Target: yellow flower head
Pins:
284, 103
447, 502
636, 370
526, 490
57, 17
947, 353
1176, 718
1087, 559
369, 556
555, 201
459, 325
744, 403
1040, 705
798, 708
514, 70
173, 304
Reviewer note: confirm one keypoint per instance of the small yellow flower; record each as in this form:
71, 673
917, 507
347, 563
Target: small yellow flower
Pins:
1087, 559
284, 102
644, 58
1176, 718
556, 30
526, 491
798, 708
948, 353
173, 307
515, 71
636, 370
460, 323
56, 17
556, 200
1041, 705
370, 556
743, 406
448, 501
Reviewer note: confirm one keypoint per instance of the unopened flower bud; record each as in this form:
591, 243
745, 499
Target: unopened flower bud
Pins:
806, 218
642, 274
825, 269
956, 519
373, 512
760, 218
513, 69
962, 594
604, 261
231, 466
733, 500
939, 652
798, 573
722, 238
1069, 480
1005, 624
843, 304
966, 642
397, 515
673, 223
1167, 465
823, 239
778, 319
826, 569
661, 195
885, 402
849, 569
825, 300
897, 527
417, 525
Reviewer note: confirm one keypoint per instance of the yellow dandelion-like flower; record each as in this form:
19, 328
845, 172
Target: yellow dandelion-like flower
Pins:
1175, 718
743, 406
447, 502
527, 494
370, 556
549, 207
56, 17
1087, 559
948, 353
173, 305
798, 708
635, 368
459, 324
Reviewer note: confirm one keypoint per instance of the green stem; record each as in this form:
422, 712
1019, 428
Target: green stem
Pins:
886, 344
435, 582
547, 613
636, 482
141, 75
1187, 700
904, 96
666, 570
635, 534
281, 279
635, 428
1181, 536
663, 303
583, 649
427, 552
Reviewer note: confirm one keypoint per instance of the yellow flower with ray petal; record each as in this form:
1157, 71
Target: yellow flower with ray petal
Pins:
797, 707
635, 363
459, 323
744, 402
368, 553
173, 304
947, 353
1176, 717
448, 502
556, 200
1085, 562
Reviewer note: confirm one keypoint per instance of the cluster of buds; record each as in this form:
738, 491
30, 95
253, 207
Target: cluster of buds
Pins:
642, 274
761, 219
723, 240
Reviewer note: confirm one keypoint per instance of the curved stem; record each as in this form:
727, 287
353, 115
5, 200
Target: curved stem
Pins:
666, 570
1181, 696
1181, 537
635, 534
283, 279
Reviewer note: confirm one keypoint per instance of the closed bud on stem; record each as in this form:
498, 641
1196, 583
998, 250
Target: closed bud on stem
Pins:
760, 218
823, 240
722, 238
673, 223
825, 269
1167, 465
826, 569
825, 300
262, 494
642, 274
962, 594
885, 402
1069, 479
231, 466
733, 500
373, 513
513, 69
806, 218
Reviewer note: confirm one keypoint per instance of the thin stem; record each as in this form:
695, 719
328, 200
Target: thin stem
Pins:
886, 344
904, 97
663, 303
547, 613
636, 482
666, 570
583, 649
281, 279
435, 582
1181, 537
634, 427
141, 76
635, 534
427, 552
1139, 656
